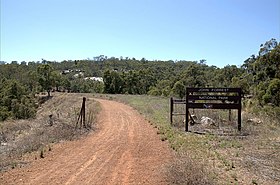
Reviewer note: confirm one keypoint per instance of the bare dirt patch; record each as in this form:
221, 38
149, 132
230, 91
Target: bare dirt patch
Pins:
125, 149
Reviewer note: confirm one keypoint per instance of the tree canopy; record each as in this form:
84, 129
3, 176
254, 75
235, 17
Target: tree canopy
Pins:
258, 76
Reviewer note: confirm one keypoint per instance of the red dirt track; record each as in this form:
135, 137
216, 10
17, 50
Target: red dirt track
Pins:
125, 149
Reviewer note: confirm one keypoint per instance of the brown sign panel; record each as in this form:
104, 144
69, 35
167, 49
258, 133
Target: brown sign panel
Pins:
215, 90
213, 106
214, 97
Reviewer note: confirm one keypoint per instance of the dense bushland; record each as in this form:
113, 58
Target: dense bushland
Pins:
259, 78
15, 101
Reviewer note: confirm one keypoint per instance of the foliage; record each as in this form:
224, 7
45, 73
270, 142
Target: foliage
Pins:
179, 89
132, 82
15, 101
272, 94
258, 76
46, 77
80, 85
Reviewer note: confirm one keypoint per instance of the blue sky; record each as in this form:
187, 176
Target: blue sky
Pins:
220, 31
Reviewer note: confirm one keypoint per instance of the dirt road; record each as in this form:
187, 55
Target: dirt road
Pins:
125, 149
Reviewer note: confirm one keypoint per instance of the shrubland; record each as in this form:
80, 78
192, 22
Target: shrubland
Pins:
251, 157
258, 76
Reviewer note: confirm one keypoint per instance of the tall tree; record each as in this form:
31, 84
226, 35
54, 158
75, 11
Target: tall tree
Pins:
45, 77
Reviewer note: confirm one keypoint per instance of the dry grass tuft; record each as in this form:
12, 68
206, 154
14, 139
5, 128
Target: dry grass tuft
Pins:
185, 170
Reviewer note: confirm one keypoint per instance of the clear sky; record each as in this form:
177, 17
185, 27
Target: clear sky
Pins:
220, 31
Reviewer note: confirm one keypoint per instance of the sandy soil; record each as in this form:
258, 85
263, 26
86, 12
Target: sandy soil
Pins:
125, 149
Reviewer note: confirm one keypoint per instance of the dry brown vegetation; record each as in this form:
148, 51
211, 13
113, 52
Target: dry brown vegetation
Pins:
219, 156
251, 156
25, 136
186, 170
222, 154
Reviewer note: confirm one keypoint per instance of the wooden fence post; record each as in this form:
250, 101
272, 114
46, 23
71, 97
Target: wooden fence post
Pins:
187, 110
84, 112
229, 114
239, 110
82, 115
171, 110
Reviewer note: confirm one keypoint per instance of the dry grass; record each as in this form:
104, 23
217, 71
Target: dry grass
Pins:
186, 170
222, 155
25, 136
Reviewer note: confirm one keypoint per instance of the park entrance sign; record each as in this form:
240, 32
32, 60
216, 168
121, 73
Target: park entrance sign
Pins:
213, 98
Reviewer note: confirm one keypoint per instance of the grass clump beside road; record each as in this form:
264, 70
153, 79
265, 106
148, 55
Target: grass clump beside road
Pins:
239, 158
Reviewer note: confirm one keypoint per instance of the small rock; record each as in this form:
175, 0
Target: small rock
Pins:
194, 117
4, 144
254, 120
207, 121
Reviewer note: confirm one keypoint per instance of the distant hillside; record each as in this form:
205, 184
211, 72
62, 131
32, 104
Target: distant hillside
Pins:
259, 77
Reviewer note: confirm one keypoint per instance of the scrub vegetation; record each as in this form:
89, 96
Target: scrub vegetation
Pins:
248, 157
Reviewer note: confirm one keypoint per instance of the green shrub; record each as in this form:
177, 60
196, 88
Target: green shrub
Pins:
15, 101
4, 113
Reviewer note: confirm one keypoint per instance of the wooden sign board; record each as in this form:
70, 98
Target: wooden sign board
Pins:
215, 90
214, 98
